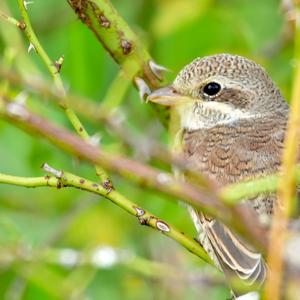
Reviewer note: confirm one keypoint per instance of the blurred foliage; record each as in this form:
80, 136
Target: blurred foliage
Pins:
176, 31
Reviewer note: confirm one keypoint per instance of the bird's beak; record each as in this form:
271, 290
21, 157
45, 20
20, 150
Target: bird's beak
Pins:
168, 96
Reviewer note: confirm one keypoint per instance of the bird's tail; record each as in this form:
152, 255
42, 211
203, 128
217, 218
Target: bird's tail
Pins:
244, 268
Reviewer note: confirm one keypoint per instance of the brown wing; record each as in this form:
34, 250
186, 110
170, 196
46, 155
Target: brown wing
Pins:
229, 154
238, 151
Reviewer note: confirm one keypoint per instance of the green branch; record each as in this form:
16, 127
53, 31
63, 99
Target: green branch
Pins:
122, 44
117, 38
234, 193
54, 70
30, 34
62, 179
29, 182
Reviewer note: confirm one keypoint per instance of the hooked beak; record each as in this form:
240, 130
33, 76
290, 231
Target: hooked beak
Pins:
168, 96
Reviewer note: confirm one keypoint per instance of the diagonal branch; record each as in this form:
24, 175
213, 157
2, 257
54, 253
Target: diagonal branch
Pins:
239, 218
61, 179
231, 194
122, 44
116, 37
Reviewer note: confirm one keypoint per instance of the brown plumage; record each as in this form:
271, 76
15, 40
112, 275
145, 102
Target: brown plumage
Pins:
238, 151
233, 122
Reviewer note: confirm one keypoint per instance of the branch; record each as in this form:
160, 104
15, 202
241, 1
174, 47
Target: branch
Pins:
30, 34
30, 182
122, 44
54, 70
239, 217
230, 194
61, 179
236, 192
117, 38
103, 114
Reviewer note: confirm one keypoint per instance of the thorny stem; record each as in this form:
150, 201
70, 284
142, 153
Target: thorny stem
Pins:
29, 32
116, 36
287, 185
54, 71
207, 200
122, 44
62, 179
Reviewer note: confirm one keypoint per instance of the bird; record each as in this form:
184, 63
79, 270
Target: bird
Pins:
233, 120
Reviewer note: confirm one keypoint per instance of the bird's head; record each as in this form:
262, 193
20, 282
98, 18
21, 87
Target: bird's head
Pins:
220, 89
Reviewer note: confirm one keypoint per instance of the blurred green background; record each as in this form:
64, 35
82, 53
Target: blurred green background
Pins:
43, 231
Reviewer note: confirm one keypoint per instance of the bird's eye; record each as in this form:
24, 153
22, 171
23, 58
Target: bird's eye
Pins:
212, 89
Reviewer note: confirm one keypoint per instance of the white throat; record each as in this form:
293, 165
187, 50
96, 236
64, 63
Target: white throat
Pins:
205, 115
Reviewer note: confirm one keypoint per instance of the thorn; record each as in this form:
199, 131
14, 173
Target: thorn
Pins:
58, 174
95, 139
143, 88
17, 107
21, 98
26, 3
157, 70
58, 63
140, 212
31, 47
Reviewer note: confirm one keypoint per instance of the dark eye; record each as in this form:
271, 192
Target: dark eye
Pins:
212, 89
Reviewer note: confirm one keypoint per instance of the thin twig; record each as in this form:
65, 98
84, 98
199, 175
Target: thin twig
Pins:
55, 73
61, 179
12, 20
287, 187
